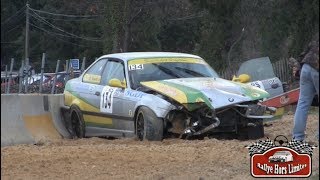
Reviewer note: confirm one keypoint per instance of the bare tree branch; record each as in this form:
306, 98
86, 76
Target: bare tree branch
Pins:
135, 16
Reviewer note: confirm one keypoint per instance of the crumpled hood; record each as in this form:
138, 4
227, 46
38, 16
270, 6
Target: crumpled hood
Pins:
215, 92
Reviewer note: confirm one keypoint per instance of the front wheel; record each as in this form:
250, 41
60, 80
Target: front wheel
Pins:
148, 125
77, 121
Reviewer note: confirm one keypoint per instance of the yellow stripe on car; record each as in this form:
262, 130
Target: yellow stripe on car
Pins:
70, 99
97, 119
169, 91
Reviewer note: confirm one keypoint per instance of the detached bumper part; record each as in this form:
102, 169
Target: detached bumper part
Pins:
191, 130
255, 130
206, 121
256, 111
208, 128
259, 110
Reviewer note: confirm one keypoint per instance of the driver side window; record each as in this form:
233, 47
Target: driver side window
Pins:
113, 70
93, 75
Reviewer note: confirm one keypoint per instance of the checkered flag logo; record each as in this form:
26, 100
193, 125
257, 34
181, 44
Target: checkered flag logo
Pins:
301, 147
260, 147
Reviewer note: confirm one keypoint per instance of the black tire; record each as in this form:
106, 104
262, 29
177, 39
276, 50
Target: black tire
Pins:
77, 122
253, 131
148, 125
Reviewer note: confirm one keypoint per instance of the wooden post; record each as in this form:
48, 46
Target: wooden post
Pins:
68, 65
26, 77
21, 76
5, 80
10, 75
42, 71
83, 65
55, 77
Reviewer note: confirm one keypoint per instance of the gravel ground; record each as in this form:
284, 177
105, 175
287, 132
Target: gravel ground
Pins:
97, 158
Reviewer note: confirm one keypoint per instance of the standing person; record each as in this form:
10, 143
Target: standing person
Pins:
295, 68
309, 86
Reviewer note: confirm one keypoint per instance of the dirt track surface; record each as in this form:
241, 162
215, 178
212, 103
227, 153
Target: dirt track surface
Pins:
96, 158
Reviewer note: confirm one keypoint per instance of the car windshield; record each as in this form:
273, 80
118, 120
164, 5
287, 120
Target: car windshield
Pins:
166, 68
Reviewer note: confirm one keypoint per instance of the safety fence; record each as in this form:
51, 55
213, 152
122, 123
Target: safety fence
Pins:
25, 80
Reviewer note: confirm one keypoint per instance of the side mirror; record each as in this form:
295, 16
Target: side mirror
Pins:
243, 78
117, 83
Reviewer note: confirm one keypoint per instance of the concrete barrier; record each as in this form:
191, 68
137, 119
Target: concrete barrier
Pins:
55, 102
13, 130
31, 118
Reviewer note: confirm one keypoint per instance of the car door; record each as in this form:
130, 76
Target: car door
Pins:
105, 116
89, 90
109, 102
113, 99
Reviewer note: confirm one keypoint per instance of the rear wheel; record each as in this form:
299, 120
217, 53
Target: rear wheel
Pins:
148, 125
77, 121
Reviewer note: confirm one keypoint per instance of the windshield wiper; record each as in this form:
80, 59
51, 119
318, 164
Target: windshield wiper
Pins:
191, 72
166, 70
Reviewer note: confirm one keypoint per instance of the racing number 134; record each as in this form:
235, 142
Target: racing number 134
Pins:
107, 100
135, 67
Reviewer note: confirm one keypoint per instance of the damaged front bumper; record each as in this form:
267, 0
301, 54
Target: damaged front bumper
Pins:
203, 121
207, 120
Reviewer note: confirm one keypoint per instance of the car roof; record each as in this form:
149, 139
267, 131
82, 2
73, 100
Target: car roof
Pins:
137, 55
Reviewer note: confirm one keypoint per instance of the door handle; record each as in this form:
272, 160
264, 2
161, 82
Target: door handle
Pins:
97, 93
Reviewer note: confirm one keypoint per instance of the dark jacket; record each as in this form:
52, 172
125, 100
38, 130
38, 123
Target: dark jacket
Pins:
311, 55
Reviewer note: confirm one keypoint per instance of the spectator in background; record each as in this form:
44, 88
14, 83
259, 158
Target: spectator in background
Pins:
71, 73
295, 75
309, 87
295, 65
